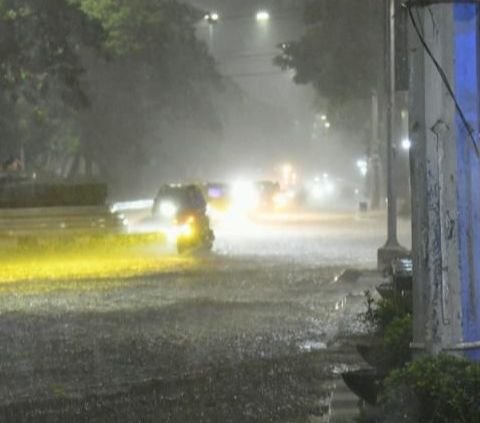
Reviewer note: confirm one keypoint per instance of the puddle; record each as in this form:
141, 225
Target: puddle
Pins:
309, 346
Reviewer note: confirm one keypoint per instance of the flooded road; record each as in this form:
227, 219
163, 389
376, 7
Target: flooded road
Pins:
254, 332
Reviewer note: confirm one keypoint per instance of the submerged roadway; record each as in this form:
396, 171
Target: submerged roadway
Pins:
256, 332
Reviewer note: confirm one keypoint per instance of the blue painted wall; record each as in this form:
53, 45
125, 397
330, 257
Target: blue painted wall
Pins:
467, 86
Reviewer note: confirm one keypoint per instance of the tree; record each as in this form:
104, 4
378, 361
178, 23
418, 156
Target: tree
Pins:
40, 70
342, 56
99, 83
341, 53
158, 78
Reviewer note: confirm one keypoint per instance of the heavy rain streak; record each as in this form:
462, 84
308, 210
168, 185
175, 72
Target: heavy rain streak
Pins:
203, 203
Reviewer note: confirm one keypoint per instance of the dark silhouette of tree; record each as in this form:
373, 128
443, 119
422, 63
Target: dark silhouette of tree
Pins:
341, 52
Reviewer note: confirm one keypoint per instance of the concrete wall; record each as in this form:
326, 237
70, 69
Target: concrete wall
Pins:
445, 178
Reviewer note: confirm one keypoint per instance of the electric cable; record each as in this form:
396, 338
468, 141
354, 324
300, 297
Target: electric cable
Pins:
254, 74
445, 80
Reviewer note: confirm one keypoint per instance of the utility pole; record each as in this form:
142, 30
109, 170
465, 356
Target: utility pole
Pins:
373, 182
392, 248
444, 128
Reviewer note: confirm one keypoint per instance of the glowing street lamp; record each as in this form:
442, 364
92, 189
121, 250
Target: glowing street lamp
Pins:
362, 166
212, 17
262, 16
328, 125
406, 144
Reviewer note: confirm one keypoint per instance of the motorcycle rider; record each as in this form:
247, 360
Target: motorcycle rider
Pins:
191, 209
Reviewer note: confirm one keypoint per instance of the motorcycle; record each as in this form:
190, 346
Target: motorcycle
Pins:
195, 234
181, 213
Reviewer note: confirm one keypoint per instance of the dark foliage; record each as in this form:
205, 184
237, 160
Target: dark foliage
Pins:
441, 389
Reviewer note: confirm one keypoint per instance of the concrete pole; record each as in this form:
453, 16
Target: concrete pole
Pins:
392, 249
392, 240
445, 175
374, 158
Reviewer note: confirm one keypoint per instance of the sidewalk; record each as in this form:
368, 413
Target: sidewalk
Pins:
344, 407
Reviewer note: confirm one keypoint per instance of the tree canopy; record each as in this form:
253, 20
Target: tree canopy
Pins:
341, 52
100, 78
40, 68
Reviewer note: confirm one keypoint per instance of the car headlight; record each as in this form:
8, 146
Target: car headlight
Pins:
329, 188
280, 200
168, 209
245, 196
317, 192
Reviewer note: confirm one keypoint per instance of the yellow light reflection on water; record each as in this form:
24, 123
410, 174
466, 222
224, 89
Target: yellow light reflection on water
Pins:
86, 263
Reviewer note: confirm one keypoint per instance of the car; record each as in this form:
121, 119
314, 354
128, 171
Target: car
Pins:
218, 198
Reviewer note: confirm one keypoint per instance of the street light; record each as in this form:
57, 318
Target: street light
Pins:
262, 16
212, 17
362, 166
406, 144
328, 125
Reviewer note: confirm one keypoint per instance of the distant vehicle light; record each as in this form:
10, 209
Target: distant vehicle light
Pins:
215, 192
280, 200
245, 196
168, 209
317, 192
322, 188
291, 194
329, 188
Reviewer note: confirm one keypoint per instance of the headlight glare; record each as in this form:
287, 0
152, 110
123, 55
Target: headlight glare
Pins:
168, 209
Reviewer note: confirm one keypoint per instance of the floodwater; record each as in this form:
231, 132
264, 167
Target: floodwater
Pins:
254, 332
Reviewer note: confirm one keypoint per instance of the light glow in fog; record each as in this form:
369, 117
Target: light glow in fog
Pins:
262, 16
406, 144
168, 209
245, 197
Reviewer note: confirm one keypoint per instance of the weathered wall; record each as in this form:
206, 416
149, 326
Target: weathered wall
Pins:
445, 175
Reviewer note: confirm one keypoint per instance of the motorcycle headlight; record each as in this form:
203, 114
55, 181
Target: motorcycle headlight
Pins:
185, 230
168, 209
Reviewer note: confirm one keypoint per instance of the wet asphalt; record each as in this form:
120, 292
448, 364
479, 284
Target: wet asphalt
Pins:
255, 332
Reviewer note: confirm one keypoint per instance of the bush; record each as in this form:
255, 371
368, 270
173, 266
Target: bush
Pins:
441, 389
30, 193
396, 342
381, 313
392, 323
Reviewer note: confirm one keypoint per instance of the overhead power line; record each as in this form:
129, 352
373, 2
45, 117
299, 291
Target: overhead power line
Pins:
254, 74
445, 80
